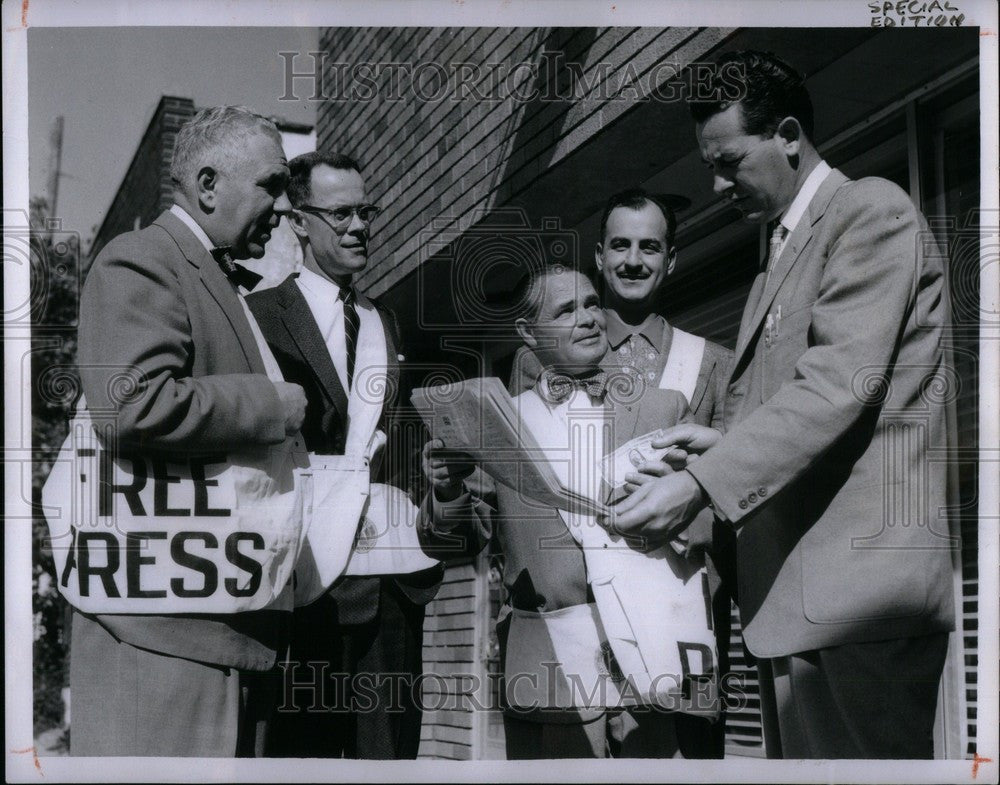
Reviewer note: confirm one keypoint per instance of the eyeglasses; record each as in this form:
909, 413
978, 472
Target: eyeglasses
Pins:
342, 216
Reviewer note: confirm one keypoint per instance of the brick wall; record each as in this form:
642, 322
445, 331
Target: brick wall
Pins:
145, 191
457, 158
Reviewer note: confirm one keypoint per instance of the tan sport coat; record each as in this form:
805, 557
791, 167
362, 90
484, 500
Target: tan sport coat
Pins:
832, 465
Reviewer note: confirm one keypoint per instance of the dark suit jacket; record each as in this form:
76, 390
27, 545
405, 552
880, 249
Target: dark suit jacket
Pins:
156, 308
291, 331
832, 421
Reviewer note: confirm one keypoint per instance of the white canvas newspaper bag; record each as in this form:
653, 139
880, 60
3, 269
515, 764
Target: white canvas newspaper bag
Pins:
653, 607
683, 363
139, 533
358, 527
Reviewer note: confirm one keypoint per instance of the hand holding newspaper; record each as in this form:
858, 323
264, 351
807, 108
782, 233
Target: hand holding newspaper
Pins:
478, 417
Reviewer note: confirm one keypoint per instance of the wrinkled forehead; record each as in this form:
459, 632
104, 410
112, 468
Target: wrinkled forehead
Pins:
723, 133
563, 287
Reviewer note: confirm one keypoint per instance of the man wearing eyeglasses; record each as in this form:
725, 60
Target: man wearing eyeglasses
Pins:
356, 651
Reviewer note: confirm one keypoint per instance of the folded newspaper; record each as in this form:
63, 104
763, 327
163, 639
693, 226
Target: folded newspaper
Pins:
478, 417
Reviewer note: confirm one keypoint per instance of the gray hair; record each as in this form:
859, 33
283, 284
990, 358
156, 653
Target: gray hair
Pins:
216, 136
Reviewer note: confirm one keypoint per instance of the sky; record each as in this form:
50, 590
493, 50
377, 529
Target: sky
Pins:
106, 82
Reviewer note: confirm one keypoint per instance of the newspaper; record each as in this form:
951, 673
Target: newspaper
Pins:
477, 417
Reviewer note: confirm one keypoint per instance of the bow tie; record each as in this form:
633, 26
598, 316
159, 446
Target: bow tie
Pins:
562, 386
237, 273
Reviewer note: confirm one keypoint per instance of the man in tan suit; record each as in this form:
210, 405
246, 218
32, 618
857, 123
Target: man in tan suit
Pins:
844, 553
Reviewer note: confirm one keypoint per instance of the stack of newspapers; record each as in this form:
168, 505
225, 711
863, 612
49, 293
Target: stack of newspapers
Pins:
478, 417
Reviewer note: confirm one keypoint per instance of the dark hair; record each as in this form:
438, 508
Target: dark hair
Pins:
766, 88
636, 199
301, 166
526, 296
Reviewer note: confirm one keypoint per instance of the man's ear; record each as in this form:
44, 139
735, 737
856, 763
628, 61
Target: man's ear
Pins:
297, 221
208, 181
599, 257
790, 132
671, 260
524, 330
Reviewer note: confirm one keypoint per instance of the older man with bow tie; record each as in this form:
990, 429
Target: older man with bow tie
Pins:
556, 657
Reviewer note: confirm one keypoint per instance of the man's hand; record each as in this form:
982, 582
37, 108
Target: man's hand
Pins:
646, 472
688, 441
660, 509
445, 473
293, 405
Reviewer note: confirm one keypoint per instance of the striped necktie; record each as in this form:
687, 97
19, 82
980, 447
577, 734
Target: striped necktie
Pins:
352, 324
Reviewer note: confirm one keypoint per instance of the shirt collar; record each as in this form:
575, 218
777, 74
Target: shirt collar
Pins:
652, 329
318, 284
192, 224
802, 199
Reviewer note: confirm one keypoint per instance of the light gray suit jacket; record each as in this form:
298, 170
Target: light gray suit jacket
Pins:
167, 351
832, 465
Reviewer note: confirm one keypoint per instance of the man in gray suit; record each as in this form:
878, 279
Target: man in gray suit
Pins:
162, 306
844, 553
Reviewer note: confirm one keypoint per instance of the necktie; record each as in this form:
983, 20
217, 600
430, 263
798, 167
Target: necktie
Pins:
561, 386
237, 273
352, 324
774, 249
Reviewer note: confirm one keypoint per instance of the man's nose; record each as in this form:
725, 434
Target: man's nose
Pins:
585, 318
282, 205
356, 225
721, 185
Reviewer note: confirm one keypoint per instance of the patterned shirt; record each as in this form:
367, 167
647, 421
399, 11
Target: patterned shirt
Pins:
638, 349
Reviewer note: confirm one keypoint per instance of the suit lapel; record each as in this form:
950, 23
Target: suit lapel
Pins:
701, 385
217, 284
302, 327
794, 249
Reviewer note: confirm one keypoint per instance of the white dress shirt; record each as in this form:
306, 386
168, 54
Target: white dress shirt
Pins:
323, 297
366, 396
791, 217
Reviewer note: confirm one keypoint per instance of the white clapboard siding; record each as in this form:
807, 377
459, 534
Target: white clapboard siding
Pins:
450, 629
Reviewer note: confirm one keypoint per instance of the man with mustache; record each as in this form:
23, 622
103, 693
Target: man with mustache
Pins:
635, 256
547, 597
825, 468
164, 305
363, 637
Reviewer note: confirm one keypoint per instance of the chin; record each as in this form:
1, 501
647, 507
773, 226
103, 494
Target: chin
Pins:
588, 357
636, 295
